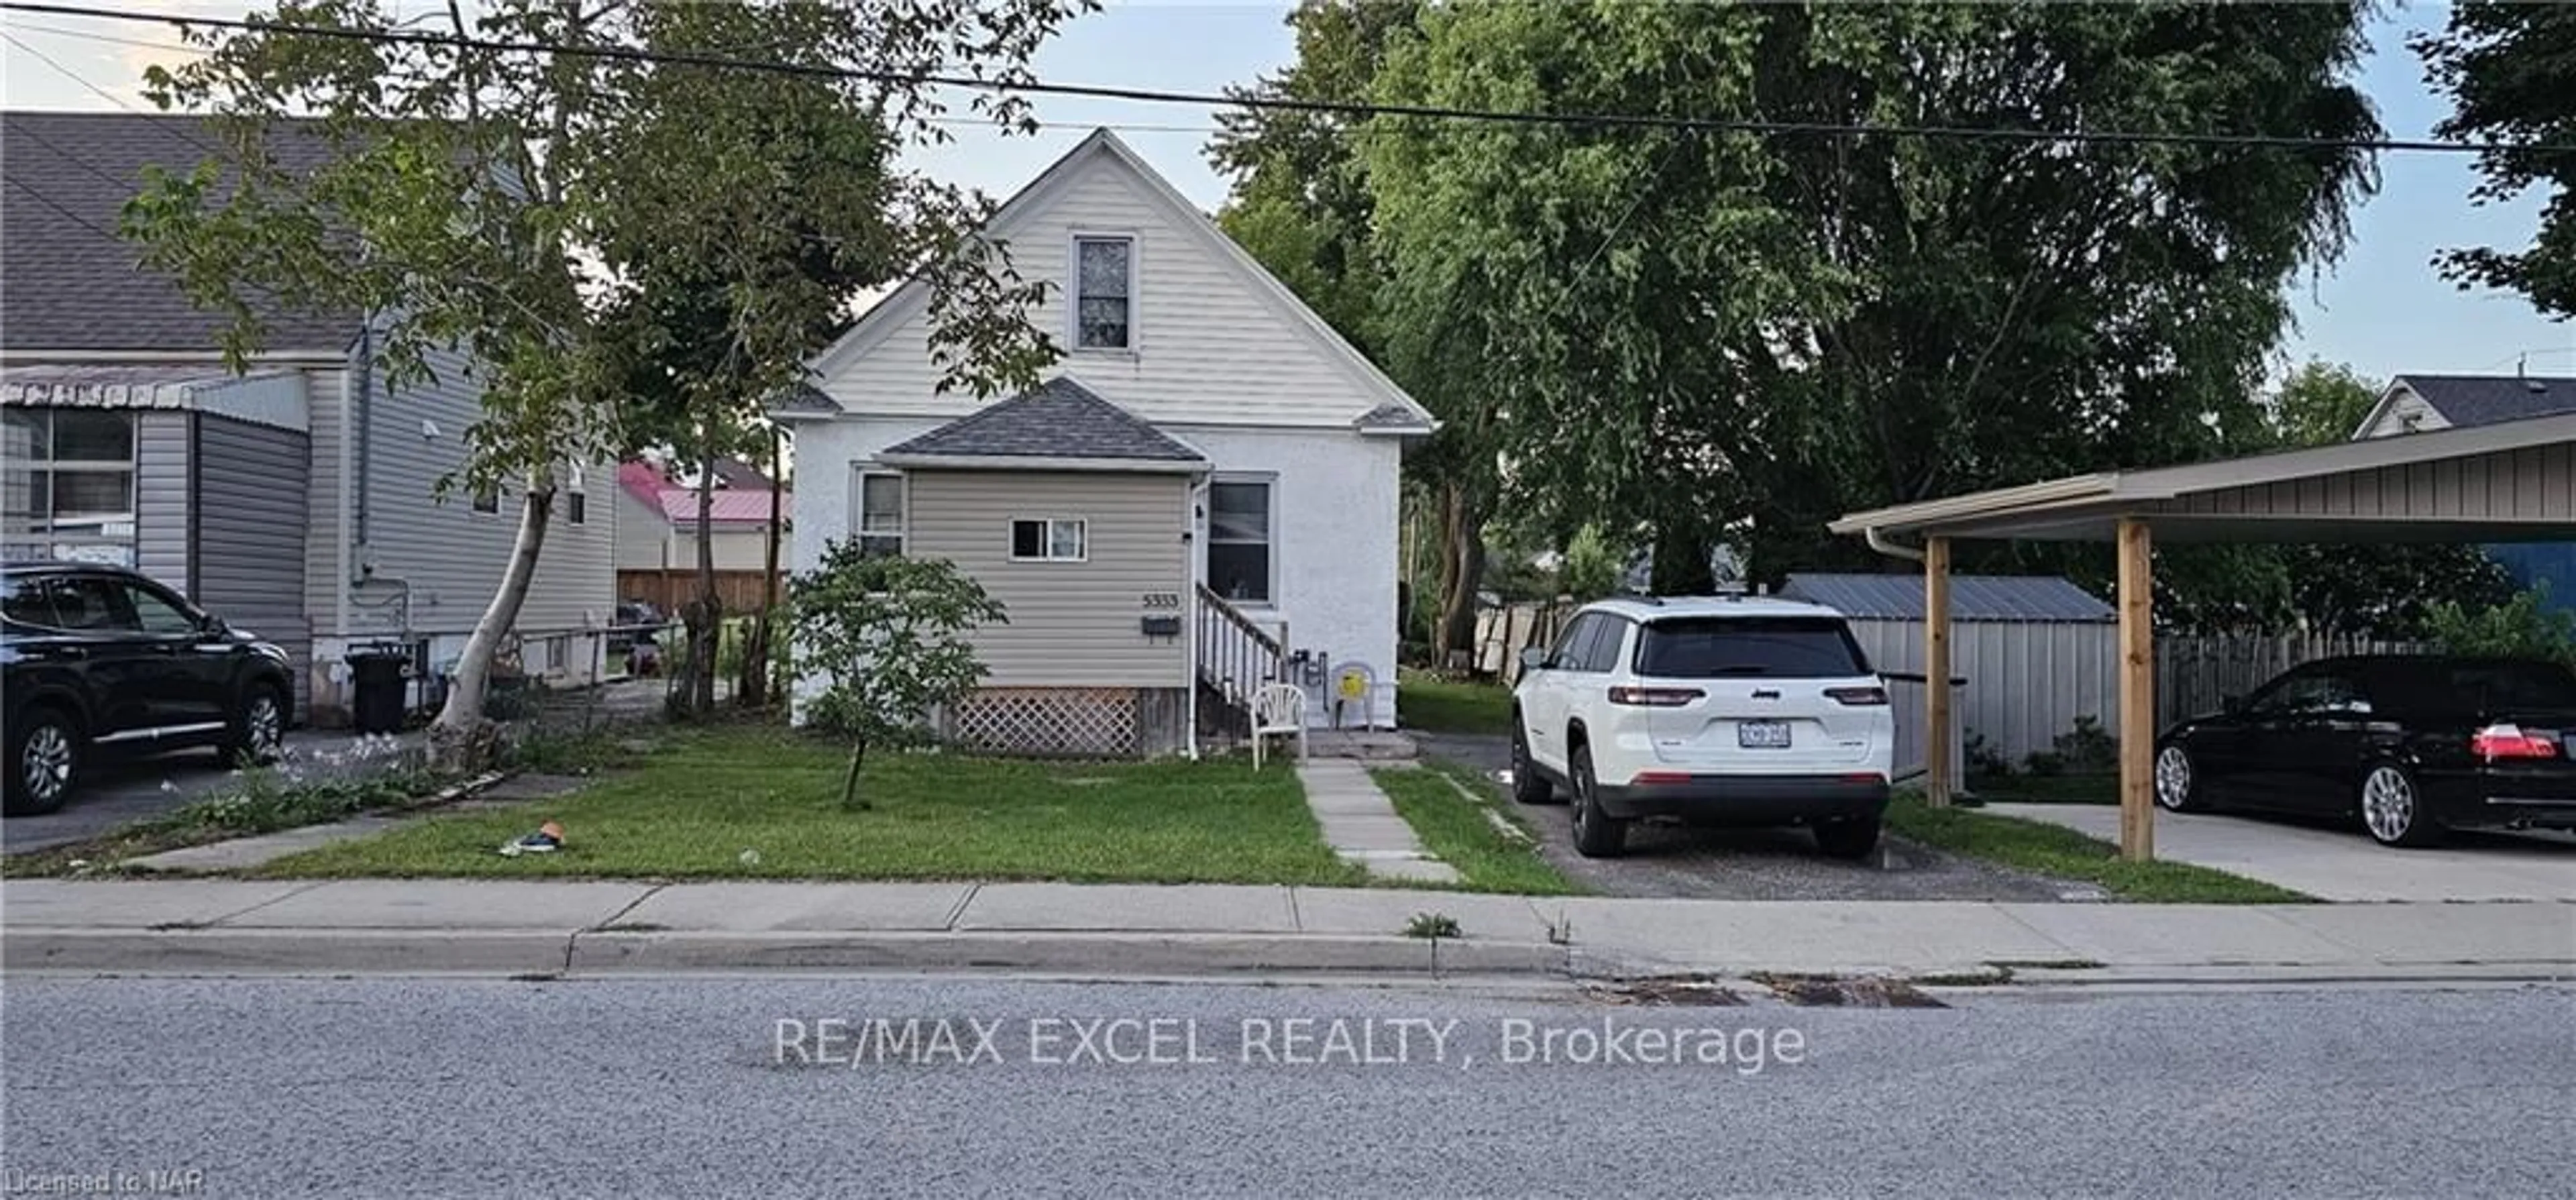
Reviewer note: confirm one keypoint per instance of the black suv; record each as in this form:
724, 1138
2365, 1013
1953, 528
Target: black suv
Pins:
97, 659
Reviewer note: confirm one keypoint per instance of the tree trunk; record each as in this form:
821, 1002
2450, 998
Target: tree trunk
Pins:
755, 664
1462, 569
461, 738
850, 785
1681, 559
706, 616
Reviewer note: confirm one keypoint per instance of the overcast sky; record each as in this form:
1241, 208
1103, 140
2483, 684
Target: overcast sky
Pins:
2382, 309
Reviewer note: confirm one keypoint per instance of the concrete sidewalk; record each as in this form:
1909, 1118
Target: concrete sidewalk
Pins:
595, 928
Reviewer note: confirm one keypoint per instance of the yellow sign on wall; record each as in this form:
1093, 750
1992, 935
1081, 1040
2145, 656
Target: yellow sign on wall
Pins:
1353, 684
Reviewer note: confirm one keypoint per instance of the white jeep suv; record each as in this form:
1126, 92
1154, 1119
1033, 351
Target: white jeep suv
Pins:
1724, 710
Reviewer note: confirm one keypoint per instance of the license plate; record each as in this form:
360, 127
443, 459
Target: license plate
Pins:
1762, 735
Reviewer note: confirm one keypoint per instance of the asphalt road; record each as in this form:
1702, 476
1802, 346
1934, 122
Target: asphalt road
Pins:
426, 1087
1753, 864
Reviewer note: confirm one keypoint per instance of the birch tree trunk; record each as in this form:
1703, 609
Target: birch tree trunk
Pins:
461, 737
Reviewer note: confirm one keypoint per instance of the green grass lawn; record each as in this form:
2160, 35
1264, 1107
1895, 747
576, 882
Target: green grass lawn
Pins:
2066, 854
1454, 828
2046, 789
1446, 706
764, 803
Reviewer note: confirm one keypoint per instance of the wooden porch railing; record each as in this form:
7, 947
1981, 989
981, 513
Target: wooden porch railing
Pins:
1236, 656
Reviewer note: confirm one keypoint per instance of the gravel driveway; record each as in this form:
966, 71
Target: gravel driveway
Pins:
1753, 864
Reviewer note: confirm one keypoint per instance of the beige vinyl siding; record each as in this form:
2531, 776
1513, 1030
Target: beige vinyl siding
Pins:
1208, 346
451, 557
643, 534
1072, 624
162, 475
325, 561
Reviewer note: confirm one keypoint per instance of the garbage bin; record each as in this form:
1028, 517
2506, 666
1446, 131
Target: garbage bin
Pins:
376, 689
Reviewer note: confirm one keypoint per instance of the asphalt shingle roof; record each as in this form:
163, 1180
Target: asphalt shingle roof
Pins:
71, 283
1056, 419
805, 398
1972, 597
2467, 400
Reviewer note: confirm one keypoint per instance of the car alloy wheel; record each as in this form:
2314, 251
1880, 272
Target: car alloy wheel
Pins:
263, 726
2173, 778
45, 766
2388, 806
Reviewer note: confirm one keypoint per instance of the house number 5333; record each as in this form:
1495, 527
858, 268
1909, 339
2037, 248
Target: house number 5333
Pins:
1162, 599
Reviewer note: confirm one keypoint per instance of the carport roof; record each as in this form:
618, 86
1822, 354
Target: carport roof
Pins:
2511, 481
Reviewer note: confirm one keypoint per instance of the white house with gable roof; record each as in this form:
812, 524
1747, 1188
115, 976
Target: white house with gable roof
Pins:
1201, 497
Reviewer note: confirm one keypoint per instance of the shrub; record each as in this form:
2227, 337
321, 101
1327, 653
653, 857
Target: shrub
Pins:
2088, 748
1589, 571
2519, 628
887, 637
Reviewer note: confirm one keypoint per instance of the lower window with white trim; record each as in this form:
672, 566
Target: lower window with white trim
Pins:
1049, 539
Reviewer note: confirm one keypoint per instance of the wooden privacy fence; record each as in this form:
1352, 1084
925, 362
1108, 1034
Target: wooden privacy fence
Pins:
1502, 633
2195, 675
741, 591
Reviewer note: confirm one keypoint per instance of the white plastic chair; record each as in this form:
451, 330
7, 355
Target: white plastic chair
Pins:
1278, 708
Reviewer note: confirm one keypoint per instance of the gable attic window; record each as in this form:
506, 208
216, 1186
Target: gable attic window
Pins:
1104, 293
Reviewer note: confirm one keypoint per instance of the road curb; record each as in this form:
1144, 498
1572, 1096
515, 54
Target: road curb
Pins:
281, 951
589, 953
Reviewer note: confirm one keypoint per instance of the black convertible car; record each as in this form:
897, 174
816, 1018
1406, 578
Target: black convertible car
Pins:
2412, 744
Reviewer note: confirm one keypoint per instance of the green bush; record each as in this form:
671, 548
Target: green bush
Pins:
2519, 628
1589, 571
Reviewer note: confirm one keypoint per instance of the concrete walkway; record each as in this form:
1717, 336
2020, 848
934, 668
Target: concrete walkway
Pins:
1362, 826
507, 927
2339, 864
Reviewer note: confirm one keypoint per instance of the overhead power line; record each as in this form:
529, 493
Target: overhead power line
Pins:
1324, 107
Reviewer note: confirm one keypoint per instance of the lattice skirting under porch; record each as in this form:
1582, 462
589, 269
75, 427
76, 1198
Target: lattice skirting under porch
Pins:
1077, 722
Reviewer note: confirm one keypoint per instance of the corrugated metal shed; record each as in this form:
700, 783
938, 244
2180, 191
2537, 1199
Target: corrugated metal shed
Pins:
1972, 597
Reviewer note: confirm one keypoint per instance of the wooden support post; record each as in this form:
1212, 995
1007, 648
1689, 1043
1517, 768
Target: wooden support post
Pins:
2137, 694
1936, 671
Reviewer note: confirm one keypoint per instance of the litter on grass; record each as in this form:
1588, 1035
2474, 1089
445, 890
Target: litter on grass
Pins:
546, 840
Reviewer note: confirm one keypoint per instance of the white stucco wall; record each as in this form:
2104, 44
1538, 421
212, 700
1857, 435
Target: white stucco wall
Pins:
1336, 512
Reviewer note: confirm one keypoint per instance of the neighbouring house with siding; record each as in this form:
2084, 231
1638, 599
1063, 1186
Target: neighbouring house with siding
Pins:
2422, 403
1200, 498
298, 498
657, 519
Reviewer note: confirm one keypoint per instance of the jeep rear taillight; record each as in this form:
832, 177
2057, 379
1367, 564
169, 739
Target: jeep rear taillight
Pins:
2511, 741
1864, 697
1654, 697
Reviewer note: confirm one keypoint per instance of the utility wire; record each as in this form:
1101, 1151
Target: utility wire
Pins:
176, 128
67, 214
1285, 104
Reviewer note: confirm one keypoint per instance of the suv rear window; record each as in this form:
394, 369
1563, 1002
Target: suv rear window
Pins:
1779, 647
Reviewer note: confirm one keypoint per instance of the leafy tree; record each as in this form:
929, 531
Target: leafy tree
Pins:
2522, 627
484, 200
2321, 404
1742, 335
885, 637
1590, 570
2508, 68
1304, 206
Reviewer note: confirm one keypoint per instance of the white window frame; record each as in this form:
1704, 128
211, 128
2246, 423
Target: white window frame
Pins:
1046, 539
118, 537
576, 508
1073, 290
1269, 482
901, 534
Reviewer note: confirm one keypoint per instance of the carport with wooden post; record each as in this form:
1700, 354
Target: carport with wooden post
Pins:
2508, 482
